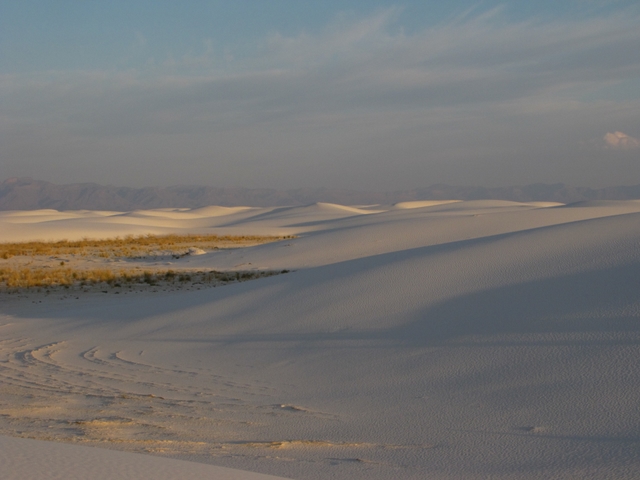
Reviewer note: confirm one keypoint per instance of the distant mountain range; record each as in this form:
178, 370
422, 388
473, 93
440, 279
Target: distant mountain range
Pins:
29, 194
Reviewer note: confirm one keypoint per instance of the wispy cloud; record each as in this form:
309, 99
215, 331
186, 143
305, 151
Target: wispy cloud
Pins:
480, 78
362, 64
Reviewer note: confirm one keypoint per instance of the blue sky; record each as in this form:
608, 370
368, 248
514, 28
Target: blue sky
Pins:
370, 95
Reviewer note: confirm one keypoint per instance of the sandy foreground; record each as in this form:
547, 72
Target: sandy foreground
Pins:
483, 339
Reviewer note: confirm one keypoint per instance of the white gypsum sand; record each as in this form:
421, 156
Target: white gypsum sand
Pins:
460, 340
32, 459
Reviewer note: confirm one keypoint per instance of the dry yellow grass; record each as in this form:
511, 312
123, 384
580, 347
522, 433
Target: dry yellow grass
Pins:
27, 278
32, 269
132, 246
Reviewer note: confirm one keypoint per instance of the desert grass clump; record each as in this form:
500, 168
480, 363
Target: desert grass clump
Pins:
67, 277
131, 246
46, 277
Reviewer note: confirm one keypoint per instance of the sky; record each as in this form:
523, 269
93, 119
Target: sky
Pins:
366, 95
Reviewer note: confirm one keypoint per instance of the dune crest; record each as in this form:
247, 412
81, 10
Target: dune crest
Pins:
424, 203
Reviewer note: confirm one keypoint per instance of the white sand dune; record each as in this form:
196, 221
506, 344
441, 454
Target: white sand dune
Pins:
71, 462
423, 203
469, 340
216, 211
51, 225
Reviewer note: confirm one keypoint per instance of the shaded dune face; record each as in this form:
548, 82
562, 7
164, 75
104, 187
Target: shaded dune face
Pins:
56, 460
460, 340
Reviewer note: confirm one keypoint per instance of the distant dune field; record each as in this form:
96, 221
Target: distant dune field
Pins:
441, 340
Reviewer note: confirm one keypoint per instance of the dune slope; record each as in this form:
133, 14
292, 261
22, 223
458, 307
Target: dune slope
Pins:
463, 340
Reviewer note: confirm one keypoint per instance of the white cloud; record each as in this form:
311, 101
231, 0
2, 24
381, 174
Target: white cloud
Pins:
621, 141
